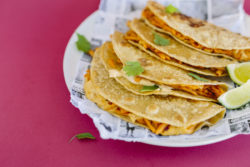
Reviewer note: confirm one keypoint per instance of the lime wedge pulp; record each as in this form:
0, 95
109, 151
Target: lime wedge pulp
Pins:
239, 73
237, 97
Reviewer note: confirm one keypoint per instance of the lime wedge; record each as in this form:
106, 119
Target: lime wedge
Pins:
237, 97
239, 73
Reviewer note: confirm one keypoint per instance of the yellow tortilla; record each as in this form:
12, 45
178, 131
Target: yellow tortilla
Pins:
181, 115
202, 32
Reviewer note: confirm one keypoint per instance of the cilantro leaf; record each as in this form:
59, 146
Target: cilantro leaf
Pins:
82, 136
149, 88
133, 68
159, 40
82, 43
197, 77
171, 9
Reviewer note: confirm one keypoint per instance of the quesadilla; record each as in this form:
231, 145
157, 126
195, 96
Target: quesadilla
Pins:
196, 33
137, 84
175, 53
161, 73
162, 115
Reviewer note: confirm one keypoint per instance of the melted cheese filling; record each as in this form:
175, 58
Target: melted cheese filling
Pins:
154, 20
131, 35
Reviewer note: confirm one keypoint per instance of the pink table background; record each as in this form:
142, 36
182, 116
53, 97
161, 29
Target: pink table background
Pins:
36, 117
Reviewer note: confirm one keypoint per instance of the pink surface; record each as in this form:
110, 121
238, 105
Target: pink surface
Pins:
36, 117
247, 6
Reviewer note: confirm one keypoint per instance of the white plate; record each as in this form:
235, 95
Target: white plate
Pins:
71, 57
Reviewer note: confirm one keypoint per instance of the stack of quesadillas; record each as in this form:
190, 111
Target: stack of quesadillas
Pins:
157, 84
197, 34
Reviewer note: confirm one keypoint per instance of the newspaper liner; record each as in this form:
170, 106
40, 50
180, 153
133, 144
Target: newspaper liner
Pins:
113, 15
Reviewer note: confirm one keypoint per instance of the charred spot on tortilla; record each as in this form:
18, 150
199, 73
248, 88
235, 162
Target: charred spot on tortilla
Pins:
196, 24
182, 16
124, 43
129, 100
192, 22
144, 62
152, 108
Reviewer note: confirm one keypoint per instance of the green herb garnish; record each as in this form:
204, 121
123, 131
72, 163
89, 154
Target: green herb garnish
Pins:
197, 77
82, 43
133, 68
82, 136
159, 40
171, 9
149, 88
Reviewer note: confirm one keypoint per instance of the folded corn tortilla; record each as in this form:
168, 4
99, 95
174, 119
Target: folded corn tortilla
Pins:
162, 115
198, 34
175, 53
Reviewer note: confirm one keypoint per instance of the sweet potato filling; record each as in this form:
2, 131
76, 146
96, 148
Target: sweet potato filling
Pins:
211, 91
87, 75
154, 20
131, 35
91, 52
